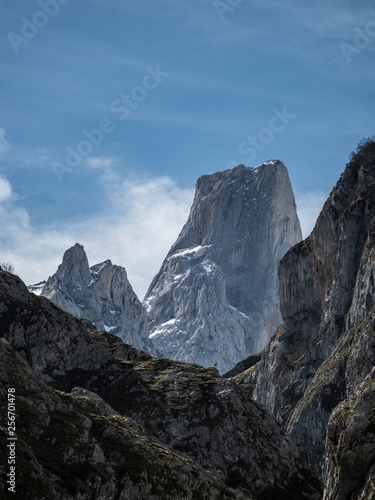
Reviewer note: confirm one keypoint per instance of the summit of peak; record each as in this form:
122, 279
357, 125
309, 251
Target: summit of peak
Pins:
270, 163
74, 252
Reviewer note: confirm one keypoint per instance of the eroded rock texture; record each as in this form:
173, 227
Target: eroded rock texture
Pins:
130, 426
75, 446
350, 456
321, 355
101, 294
215, 299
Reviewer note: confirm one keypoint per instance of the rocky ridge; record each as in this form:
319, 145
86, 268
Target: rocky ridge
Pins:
316, 374
101, 294
178, 429
101, 453
215, 298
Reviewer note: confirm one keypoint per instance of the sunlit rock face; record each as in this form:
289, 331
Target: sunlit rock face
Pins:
101, 294
215, 299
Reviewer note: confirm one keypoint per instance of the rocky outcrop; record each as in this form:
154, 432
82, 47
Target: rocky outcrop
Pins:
51, 340
325, 348
131, 426
210, 420
101, 294
243, 365
37, 288
100, 453
350, 456
215, 299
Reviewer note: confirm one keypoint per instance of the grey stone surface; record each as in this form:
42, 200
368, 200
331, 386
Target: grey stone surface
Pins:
75, 446
215, 299
325, 349
127, 425
101, 294
53, 341
350, 444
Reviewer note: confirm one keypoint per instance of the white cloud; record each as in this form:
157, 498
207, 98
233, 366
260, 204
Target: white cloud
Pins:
4, 145
5, 189
143, 219
309, 206
101, 162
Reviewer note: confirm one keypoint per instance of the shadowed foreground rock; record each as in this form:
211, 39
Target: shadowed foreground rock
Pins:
350, 445
74, 446
170, 421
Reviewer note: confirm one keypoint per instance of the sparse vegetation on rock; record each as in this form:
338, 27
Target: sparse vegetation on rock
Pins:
319, 362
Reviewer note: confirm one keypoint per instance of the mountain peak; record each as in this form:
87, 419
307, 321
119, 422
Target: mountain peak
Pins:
76, 253
225, 202
216, 295
101, 294
74, 266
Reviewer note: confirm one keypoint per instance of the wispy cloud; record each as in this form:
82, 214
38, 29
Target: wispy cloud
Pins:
313, 31
4, 145
102, 162
142, 220
5, 189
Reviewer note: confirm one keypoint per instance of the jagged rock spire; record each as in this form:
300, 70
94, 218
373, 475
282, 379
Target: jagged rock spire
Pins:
101, 294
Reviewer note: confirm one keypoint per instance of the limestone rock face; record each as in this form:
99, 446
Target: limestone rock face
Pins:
325, 348
102, 294
211, 421
215, 299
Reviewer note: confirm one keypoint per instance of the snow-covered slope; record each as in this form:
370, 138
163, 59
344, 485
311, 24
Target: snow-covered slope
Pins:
37, 288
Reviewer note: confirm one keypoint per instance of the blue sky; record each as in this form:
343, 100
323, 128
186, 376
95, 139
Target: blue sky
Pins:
167, 91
